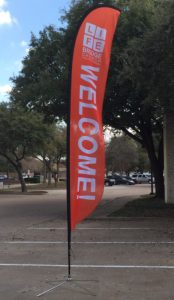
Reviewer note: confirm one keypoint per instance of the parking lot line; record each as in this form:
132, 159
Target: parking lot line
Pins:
87, 242
95, 228
88, 266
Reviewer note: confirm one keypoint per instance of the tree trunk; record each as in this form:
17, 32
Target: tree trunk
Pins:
156, 159
57, 172
18, 167
159, 170
56, 180
159, 180
44, 171
49, 177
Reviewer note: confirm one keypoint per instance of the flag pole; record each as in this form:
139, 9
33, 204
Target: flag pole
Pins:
68, 217
70, 110
69, 242
68, 185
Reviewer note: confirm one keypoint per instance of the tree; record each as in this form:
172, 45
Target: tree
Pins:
42, 83
21, 134
60, 150
135, 100
143, 164
52, 153
158, 49
121, 155
130, 105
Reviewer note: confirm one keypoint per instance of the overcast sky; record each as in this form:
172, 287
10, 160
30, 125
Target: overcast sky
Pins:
18, 18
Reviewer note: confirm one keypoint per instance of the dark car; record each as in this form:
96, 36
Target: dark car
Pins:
109, 181
130, 179
121, 180
2, 178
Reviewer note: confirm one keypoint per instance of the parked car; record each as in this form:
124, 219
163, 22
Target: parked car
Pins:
121, 180
109, 181
129, 178
141, 178
2, 178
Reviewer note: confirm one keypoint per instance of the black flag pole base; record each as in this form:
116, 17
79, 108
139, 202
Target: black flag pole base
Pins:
71, 282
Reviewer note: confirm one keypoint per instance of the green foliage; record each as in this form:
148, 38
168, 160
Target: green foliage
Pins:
21, 133
42, 84
5, 167
143, 164
121, 155
126, 90
159, 45
53, 151
55, 148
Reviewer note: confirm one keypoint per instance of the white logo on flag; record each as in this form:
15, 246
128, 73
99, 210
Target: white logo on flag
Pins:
94, 37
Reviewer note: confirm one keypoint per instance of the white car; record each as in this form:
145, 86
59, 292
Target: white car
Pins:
141, 178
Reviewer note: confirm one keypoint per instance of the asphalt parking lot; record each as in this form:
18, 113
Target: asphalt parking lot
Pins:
112, 258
